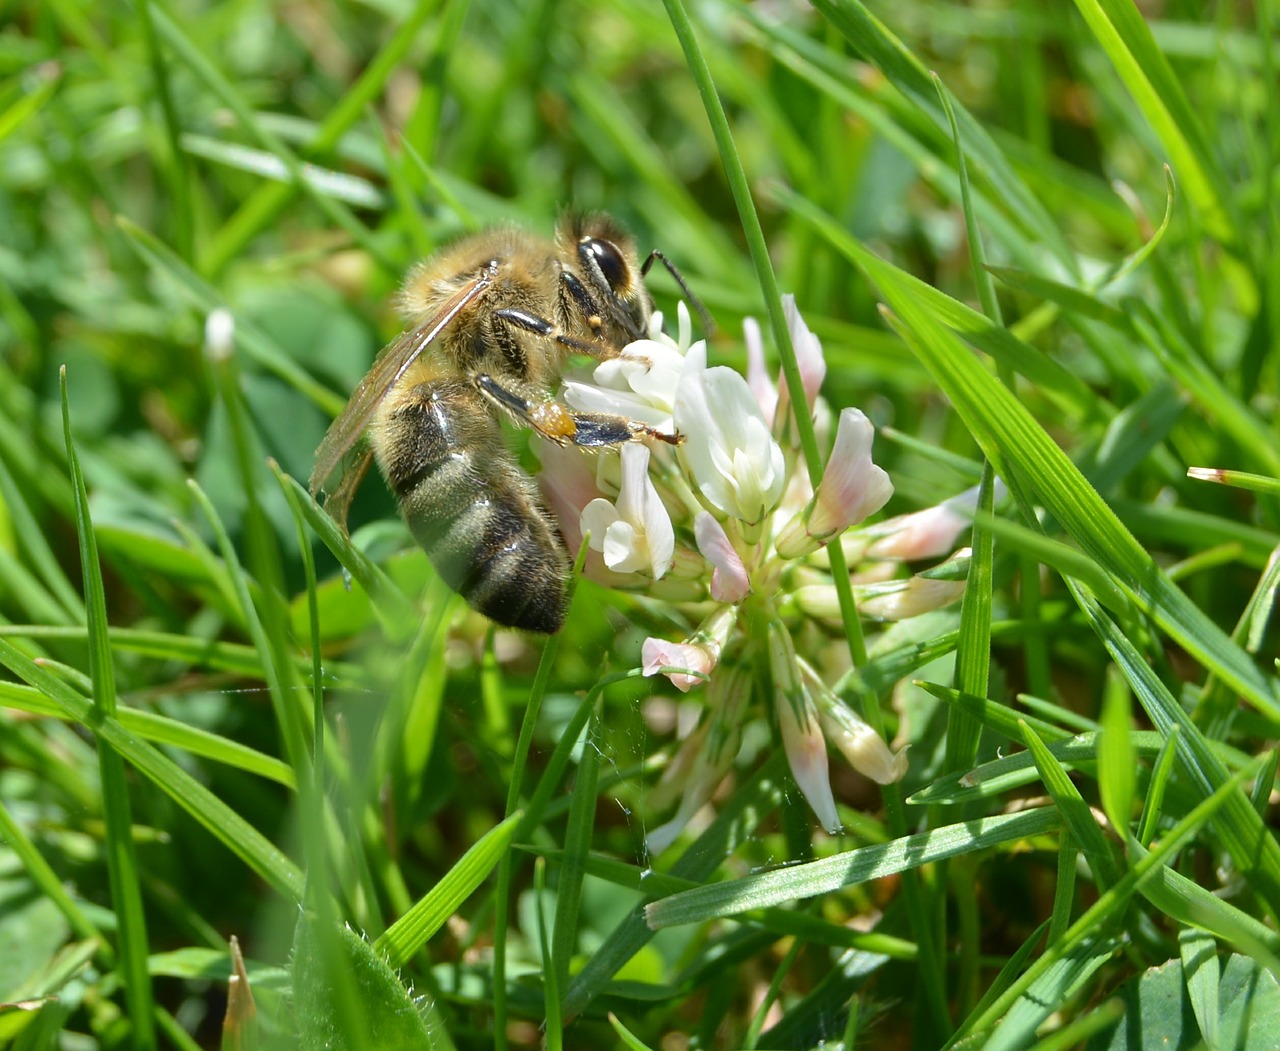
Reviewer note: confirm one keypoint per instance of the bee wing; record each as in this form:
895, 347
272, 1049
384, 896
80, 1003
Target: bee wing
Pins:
386, 372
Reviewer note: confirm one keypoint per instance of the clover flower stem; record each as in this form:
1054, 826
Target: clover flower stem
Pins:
678, 484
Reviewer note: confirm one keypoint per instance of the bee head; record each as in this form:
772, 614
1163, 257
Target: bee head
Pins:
606, 258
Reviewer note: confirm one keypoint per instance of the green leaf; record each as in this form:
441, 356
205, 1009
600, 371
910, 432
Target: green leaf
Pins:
378, 1011
1159, 1012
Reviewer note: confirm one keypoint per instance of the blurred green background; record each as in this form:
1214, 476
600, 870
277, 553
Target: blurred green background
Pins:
290, 161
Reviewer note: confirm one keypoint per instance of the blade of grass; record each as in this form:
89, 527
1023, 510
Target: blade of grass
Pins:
577, 844
122, 861
1126, 38
812, 878
404, 938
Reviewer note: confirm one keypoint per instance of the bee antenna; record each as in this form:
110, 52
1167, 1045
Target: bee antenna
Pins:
704, 315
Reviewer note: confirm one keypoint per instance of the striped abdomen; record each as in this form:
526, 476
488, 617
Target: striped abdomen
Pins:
475, 513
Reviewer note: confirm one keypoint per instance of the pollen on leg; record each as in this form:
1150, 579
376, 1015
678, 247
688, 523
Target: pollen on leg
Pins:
553, 421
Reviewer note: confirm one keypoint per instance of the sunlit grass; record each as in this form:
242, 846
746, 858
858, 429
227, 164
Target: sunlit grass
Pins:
222, 717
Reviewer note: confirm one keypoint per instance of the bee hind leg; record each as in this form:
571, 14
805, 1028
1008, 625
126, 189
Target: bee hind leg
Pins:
564, 426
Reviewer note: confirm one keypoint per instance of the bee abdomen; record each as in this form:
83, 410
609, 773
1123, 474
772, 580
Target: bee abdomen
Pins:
475, 513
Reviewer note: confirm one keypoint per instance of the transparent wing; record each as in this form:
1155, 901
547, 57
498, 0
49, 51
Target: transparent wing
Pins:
386, 372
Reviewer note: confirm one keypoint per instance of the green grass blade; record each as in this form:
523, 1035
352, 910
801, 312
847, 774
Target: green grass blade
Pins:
577, 844
122, 861
845, 869
414, 929
1117, 774
1077, 818
1146, 72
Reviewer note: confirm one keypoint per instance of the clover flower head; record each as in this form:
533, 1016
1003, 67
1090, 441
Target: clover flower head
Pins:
729, 534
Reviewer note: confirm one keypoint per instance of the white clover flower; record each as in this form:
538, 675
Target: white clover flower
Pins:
863, 748
699, 653
635, 535
852, 488
738, 468
659, 656
901, 599
642, 381
764, 389
808, 348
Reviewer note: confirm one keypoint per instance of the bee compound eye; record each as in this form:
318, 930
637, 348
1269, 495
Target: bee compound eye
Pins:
609, 259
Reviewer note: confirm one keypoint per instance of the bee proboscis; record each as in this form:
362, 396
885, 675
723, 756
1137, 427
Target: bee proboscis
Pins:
491, 321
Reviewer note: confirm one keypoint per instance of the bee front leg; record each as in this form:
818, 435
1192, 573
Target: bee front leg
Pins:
540, 326
564, 426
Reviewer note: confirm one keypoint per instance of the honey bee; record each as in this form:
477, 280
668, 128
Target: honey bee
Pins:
491, 321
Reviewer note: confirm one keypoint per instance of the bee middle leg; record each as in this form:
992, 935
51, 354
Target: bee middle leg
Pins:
565, 426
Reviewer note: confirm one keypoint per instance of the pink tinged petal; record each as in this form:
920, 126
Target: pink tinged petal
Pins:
908, 598
809, 356
852, 488
699, 653
658, 654
568, 484
801, 730
729, 581
764, 389
929, 533
806, 750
